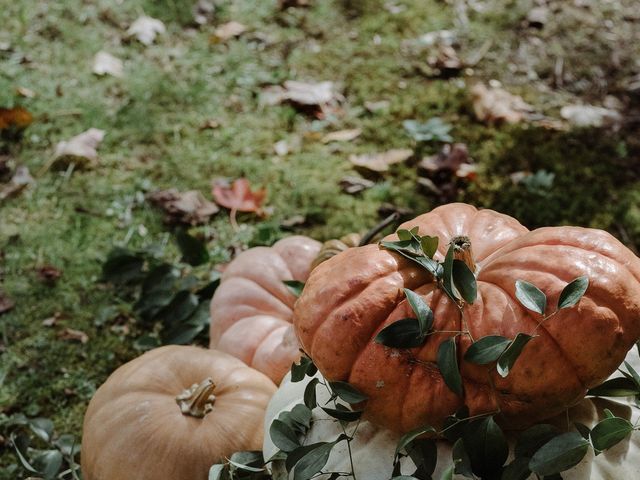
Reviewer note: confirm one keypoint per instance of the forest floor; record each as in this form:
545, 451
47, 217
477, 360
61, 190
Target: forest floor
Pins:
192, 107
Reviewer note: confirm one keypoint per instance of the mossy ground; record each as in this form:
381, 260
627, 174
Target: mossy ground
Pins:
152, 119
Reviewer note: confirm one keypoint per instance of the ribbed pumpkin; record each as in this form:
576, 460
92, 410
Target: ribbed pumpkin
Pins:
252, 308
349, 298
171, 414
373, 448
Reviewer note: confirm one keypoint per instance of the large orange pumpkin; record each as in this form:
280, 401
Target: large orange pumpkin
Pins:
351, 297
172, 413
252, 308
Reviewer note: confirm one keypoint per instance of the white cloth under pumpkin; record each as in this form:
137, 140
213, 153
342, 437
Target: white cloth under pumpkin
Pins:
373, 448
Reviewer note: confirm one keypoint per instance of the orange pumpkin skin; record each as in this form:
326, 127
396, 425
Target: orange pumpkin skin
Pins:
348, 299
133, 427
252, 308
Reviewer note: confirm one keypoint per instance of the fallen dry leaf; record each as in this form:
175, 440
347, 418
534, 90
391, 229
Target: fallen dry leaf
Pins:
79, 150
238, 196
15, 118
145, 29
20, 180
352, 185
184, 207
322, 95
281, 148
227, 31
590, 116
284, 4
203, 12
494, 105
441, 173
51, 321
74, 335
210, 124
106, 64
48, 274
380, 162
6, 303
25, 92
342, 135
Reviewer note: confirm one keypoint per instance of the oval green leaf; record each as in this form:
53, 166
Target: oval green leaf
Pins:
421, 309
559, 454
343, 414
610, 431
573, 292
616, 387
410, 436
465, 281
283, 436
404, 333
294, 286
486, 446
486, 349
511, 354
347, 392
531, 297
448, 365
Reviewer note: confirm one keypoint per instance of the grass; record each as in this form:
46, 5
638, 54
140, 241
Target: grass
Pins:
152, 118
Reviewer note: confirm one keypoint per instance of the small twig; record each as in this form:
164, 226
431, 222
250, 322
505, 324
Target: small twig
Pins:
378, 228
232, 219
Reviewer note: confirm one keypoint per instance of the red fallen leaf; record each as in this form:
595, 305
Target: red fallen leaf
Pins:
238, 197
48, 274
16, 117
74, 335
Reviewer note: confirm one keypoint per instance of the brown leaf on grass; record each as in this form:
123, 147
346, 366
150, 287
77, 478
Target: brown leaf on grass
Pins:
106, 64
380, 162
590, 116
238, 196
284, 4
227, 31
305, 96
73, 335
495, 105
342, 135
189, 207
20, 180
17, 118
79, 150
6, 303
25, 92
48, 274
210, 124
203, 11
145, 29
352, 185
445, 173
52, 320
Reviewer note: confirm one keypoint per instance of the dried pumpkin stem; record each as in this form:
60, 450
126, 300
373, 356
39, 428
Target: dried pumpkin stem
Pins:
198, 399
462, 251
367, 237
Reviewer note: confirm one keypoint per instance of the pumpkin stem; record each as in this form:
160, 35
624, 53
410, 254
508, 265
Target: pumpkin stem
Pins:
462, 251
198, 399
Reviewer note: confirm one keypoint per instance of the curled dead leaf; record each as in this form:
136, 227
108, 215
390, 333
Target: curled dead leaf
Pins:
352, 184
79, 150
342, 135
17, 118
590, 116
188, 207
20, 180
227, 31
238, 196
145, 29
495, 105
6, 303
106, 64
441, 174
303, 95
380, 162
73, 335
48, 274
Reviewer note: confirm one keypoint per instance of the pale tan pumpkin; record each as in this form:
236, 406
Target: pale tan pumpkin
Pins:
135, 426
351, 297
252, 308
